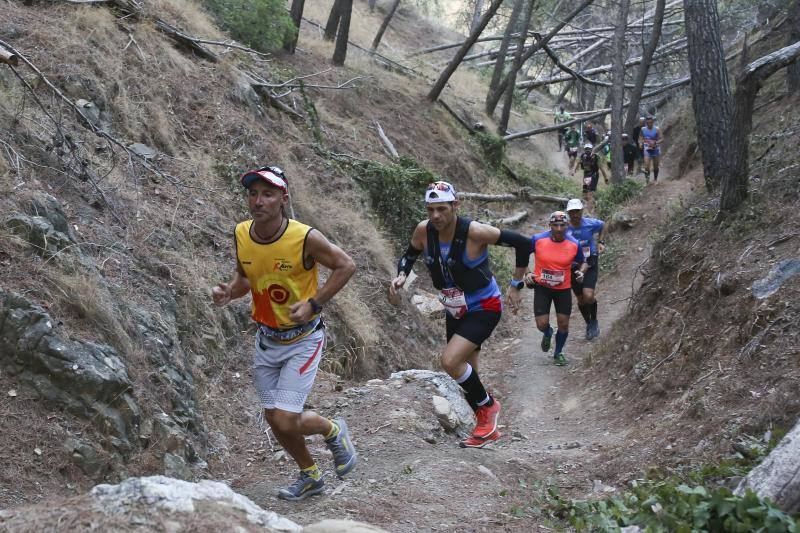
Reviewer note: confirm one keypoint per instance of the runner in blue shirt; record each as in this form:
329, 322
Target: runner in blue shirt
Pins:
584, 229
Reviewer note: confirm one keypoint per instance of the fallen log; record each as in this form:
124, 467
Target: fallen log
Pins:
513, 219
187, 41
523, 195
9, 58
385, 139
778, 475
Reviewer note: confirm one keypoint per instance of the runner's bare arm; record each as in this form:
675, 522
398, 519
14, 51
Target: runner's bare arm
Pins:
417, 243
238, 287
342, 267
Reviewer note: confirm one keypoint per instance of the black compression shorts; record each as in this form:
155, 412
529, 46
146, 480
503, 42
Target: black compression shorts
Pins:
475, 326
544, 296
589, 279
592, 185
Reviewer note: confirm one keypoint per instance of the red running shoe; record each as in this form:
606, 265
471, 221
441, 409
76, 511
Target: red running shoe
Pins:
474, 442
487, 420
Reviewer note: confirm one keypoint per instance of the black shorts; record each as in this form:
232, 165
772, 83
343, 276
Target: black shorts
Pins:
544, 296
475, 326
592, 185
589, 279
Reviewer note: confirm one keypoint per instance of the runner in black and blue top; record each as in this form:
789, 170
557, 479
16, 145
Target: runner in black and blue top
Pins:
590, 234
456, 253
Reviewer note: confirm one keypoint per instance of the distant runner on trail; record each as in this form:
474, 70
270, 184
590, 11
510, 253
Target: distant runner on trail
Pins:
637, 130
584, 230
572, 140
590, 134
590, 164
558, 258
457, 257
276, 261
560, 117
650, 139
629, 153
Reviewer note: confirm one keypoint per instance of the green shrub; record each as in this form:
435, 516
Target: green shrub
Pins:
396, 192
545, 181
260, 24
493, 148
609, 199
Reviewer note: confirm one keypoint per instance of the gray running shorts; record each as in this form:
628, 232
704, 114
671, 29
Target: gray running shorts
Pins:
284, 373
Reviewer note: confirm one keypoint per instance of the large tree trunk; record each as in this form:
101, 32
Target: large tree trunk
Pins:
501, 87
711, 93
438, 87
296, 13
333, 20
734, 184
778, 475
617, 93
793, 72
384, 25
500, 62
476, 15
509, 98
644, 68
340, 52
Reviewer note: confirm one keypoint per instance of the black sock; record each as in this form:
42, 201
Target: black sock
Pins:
584, 309
593, 310
474, 391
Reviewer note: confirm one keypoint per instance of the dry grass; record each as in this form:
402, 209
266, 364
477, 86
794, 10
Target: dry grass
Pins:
81, 296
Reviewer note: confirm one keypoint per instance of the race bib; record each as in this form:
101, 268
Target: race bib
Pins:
587, 251
552, 277
587, 180
454, 302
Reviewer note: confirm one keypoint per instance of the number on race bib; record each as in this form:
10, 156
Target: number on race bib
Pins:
552, 277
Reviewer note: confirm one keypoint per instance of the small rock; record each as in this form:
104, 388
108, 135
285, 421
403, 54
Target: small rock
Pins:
444, 413
486, 471
175, 466
143, 150
599, 486
428, 304
375, 382
279, 455
12, 393
37, 451
623, 221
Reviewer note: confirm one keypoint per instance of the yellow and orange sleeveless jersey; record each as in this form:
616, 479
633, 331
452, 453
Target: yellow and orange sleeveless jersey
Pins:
278, 278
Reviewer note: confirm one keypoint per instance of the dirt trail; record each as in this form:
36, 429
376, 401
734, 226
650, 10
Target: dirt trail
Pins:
413, 477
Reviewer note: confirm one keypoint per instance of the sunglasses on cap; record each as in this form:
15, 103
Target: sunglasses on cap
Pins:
271, 174
440, 186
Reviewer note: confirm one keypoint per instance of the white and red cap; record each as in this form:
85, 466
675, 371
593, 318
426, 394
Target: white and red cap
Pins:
440, 191
272, 175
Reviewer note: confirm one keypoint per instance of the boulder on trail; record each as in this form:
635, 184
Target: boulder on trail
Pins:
447, 388
622, 221
778, 475
428, 304
160, 503
84, 378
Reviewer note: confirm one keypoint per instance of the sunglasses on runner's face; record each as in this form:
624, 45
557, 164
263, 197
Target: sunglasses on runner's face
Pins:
558, 224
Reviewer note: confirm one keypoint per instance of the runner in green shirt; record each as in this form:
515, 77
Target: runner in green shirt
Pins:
572, 140
560, 117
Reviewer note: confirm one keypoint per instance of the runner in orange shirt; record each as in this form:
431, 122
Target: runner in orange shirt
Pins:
557, 256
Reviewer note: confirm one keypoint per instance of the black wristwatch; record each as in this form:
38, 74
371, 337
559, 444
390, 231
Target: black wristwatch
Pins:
315, 306
517, 284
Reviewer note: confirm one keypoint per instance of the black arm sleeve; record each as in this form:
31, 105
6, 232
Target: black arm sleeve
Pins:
519, 242
406, 263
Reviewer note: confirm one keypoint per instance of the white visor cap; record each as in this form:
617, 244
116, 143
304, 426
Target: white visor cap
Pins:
438, 192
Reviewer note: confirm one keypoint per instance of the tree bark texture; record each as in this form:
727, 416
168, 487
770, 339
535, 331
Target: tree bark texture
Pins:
340, 52
438, 87
793, 72
476, 15
617, 93
333, 21
501, 87
509, 97
711, 93
385, 24
296, 12
737, 170
778, 475
644, 68
500, 62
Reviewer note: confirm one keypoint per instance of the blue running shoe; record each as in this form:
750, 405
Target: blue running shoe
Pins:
301, 489
344, 453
